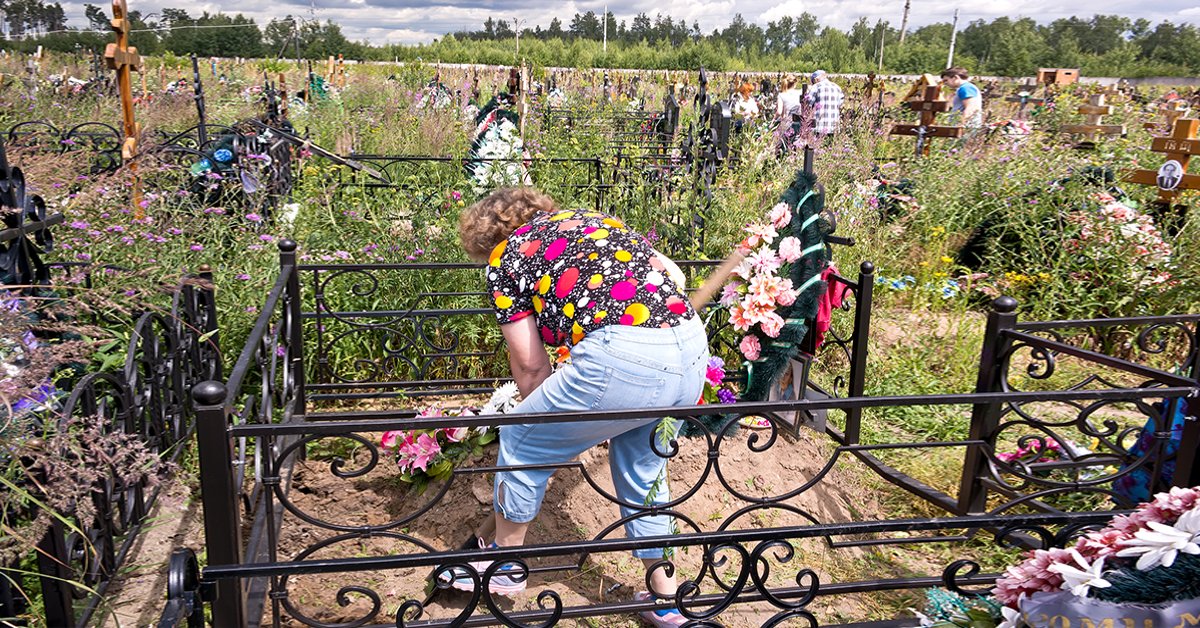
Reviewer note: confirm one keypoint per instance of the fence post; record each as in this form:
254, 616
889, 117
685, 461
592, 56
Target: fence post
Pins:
218, 488
972, 496
208, 301
858, 359
287, 261
1187, 471
56, 576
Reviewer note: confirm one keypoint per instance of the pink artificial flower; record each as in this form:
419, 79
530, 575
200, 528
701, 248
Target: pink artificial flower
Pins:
787, 295
764, 234
456, 434
730, 294
790, 249
772, 324
419, 453
781, 215
737, 318
390, 439
765, 289
745, 268
750, 348
755, 312
765, 261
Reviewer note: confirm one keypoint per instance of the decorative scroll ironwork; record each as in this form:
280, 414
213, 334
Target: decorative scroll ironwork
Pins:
165, 356
101, 141
737, 560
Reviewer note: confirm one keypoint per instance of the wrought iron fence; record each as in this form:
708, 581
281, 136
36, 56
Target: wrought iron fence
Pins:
266, 443
78, 557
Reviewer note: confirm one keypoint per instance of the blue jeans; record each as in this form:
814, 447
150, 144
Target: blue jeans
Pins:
614, 367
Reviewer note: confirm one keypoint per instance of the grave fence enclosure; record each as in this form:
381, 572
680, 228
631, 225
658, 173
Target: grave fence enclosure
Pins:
170, 350
266, 434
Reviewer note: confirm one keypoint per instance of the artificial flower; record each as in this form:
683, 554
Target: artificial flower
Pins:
1161, 543
750, 347
790, 249
1085, 576
781, 215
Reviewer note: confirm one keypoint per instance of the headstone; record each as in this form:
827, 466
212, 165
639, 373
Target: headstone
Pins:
1057, 76
1171, 177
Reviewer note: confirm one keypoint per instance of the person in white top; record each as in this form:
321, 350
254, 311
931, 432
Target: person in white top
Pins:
788, 101
745, 108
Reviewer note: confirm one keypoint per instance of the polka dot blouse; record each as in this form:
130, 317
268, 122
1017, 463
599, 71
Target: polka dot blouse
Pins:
576, 271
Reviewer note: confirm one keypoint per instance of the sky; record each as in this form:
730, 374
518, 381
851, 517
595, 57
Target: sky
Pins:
420, 21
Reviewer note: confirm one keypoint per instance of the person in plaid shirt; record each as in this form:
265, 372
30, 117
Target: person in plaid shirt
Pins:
825, 98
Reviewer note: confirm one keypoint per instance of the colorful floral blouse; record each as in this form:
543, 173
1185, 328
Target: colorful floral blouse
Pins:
580, 270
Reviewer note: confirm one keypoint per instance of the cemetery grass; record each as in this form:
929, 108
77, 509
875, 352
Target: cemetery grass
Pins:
926, 338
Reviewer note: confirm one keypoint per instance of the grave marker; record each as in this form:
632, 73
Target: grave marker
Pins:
1057, 76
1171, 178
928, 107
124, 59
1094, 111
1024, 98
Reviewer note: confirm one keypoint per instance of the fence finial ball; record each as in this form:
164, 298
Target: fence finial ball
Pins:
867, 268
208, 393
1005, 305
287, 246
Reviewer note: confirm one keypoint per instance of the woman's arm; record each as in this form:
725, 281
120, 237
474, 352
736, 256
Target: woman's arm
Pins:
528, 360
971, 108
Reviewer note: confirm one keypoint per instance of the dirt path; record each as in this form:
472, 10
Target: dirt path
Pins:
138, 593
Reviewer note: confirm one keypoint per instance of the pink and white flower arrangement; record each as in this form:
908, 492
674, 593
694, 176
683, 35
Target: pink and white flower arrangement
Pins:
1115, 233
1153, 536
425, 455
759, 285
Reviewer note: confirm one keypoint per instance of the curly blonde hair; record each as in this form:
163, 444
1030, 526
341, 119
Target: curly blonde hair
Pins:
493, 218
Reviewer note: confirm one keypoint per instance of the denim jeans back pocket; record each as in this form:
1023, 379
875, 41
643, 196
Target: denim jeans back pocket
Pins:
629, 390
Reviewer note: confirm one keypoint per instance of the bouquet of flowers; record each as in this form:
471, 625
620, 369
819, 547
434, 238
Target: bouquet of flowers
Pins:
1142, 568
424, 456
1117, 234
715, 388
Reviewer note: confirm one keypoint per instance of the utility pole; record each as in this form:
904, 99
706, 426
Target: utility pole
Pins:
605, 18
904, 21
882, 33
517, 28
953, 36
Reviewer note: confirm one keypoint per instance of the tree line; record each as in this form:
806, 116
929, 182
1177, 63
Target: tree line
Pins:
1103, 45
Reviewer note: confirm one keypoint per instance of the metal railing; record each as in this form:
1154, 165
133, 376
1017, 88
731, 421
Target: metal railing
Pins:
257, 431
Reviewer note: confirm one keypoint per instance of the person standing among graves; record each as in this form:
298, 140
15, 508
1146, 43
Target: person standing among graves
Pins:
787, 103
968, 102
745, 107
788, 114
826, 99
582, 279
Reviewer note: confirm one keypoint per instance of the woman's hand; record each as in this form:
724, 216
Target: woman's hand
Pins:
526, 356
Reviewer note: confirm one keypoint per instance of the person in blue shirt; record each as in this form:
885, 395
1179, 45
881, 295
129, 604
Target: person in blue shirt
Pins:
967, 100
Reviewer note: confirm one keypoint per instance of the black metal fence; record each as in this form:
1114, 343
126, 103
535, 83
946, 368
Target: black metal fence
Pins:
285, 463
168, 352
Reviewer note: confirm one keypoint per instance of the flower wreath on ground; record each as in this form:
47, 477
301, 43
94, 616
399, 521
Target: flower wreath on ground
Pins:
424, 456
1142, 569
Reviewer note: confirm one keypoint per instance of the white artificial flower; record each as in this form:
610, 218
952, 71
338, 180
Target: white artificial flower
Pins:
1080, 579
1012, 617
503, 399
1161, 544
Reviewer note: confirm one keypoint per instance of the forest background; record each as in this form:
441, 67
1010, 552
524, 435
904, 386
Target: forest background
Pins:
1103, 45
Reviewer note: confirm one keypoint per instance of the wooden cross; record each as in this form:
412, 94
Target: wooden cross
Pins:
931, 105
1094, 111
1172, 178
1024, 98
124, 59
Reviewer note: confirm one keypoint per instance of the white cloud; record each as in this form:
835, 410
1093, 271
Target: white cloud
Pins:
416, 21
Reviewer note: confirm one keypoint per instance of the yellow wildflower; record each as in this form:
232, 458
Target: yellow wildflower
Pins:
946, 259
